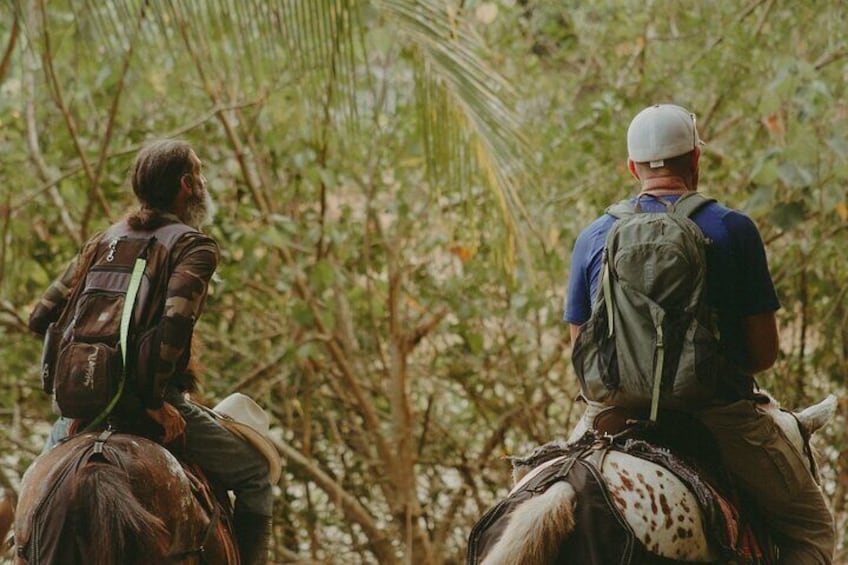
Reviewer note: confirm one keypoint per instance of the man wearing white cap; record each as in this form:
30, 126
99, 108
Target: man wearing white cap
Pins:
664, 153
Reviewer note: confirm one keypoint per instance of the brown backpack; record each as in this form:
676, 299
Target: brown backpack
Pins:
83, 362
83, 359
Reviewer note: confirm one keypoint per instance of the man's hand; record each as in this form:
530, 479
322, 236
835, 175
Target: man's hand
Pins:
170, 419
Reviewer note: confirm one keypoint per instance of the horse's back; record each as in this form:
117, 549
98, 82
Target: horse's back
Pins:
664, 515
7, 513
184, 515
648, 510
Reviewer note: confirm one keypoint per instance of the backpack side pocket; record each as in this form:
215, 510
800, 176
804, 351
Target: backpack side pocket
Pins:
593, 356
88, 375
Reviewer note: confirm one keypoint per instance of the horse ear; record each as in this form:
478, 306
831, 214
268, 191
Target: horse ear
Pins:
817, 415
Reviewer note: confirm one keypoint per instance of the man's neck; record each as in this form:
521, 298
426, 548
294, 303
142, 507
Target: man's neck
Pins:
664, 186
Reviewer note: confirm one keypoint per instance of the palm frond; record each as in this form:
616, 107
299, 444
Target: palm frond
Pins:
471, 134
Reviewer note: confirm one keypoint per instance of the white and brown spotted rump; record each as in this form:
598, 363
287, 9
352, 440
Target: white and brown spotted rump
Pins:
663, 514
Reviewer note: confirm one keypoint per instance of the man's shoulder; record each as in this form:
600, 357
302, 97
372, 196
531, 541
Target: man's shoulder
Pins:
195, 241
599, 225
731, 221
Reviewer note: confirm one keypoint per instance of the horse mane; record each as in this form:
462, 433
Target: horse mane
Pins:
536, 528
118, 524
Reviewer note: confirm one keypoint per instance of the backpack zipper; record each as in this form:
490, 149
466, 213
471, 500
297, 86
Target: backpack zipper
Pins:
658, 371
607, 288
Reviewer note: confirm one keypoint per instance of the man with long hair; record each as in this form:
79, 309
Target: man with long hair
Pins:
173, 205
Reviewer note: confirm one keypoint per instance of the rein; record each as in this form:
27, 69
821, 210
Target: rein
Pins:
214, 519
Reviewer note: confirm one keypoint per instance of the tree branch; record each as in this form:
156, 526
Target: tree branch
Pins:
110, 121
10, 47
229, 128
56, 92
36, 155
380, 543
831, 57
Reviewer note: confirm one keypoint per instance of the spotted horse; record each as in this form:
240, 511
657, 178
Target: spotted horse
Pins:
631, 495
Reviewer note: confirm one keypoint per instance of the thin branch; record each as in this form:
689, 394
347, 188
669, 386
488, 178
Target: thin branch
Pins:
424, 328
19, 444
831, 57
56, 92
482, 460
739, 19
758, 29
14, 321
6, 212
36, 155
10, 47
128, 150
365, 404
380, 543
113, 112
213, 94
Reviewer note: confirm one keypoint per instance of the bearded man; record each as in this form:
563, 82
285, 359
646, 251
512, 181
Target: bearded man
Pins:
174, 205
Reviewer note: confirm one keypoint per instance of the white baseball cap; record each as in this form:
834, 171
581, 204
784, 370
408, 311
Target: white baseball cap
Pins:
661, 131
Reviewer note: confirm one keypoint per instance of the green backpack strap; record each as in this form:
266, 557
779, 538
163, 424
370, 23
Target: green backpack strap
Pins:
621, 209
689, 203
126, 316
685, 206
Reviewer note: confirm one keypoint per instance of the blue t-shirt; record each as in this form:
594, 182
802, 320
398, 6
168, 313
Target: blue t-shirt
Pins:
738, 279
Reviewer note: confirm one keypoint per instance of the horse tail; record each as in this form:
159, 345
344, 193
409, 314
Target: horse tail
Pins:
536, 528
111, 523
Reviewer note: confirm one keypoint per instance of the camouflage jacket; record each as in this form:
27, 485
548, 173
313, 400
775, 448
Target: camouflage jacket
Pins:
171, 300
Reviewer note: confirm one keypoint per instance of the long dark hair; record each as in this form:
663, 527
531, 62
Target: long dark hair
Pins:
156, 175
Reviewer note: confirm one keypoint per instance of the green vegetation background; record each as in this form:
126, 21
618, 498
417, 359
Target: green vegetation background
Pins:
400, 184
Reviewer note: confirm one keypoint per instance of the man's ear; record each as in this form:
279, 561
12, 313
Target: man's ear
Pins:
187, 183
631, 166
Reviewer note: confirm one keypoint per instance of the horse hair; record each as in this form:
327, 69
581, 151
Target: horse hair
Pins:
118, 526
536, 528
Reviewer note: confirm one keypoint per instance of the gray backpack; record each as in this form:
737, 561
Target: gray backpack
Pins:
650, 340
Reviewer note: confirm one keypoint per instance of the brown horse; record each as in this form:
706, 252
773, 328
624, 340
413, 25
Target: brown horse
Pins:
7, 515
117, 498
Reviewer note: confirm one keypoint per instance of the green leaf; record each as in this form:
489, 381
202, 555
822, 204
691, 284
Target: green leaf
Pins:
794, 175
474, 341
322, 274
302, 315
788, 215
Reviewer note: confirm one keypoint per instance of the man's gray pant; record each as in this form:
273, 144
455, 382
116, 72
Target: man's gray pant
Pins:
230, 460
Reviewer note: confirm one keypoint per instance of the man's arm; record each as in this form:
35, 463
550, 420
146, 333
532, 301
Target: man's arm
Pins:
574, 330
761, 341
49, 307
184, 301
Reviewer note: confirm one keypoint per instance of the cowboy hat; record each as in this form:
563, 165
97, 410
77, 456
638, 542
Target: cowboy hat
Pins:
246, 419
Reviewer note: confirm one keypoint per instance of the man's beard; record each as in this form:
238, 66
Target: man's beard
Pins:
200, 209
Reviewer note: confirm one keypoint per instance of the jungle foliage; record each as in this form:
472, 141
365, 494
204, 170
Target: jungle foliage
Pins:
400, 183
